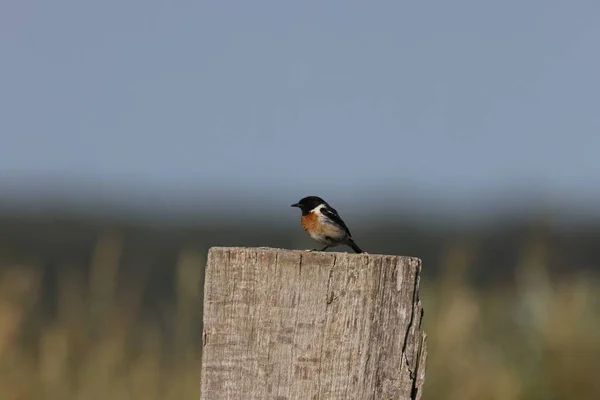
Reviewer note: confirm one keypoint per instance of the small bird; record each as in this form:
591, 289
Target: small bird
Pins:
323, 223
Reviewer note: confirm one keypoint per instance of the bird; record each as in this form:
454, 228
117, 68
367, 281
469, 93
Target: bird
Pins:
323, 223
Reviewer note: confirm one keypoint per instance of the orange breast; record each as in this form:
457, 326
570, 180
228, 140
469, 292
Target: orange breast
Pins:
310, 222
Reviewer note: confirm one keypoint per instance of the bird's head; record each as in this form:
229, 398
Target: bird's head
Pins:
309, 203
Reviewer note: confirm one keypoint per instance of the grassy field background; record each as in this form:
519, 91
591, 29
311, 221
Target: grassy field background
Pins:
90, 310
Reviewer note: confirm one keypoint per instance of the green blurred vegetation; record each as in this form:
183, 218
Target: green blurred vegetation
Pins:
107, 309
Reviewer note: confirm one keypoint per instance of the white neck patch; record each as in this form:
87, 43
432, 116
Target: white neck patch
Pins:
318, 208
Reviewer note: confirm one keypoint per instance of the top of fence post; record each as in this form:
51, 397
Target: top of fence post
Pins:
282, 324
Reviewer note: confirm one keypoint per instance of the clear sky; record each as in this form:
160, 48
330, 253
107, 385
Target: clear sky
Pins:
453, 99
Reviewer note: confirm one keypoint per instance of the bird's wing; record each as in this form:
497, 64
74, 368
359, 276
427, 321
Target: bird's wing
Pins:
331, 214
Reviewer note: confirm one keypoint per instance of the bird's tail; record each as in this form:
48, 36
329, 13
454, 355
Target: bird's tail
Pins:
354, 246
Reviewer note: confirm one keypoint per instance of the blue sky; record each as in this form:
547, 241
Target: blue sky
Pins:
455, 101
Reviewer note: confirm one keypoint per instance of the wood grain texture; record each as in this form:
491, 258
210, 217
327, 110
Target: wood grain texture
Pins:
281, 324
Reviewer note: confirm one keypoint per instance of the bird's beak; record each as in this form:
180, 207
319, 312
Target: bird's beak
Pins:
295, 205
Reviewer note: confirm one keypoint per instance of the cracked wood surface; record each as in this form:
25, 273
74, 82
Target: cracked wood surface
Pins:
282, 324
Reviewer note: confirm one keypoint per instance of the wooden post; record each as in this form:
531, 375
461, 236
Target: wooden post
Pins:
281, 324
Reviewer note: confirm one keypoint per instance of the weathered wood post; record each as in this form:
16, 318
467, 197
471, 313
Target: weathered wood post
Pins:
281, 324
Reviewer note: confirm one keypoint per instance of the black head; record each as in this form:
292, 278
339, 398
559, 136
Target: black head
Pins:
309, 203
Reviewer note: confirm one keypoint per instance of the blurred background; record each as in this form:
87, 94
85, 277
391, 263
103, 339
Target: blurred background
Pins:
135, 135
